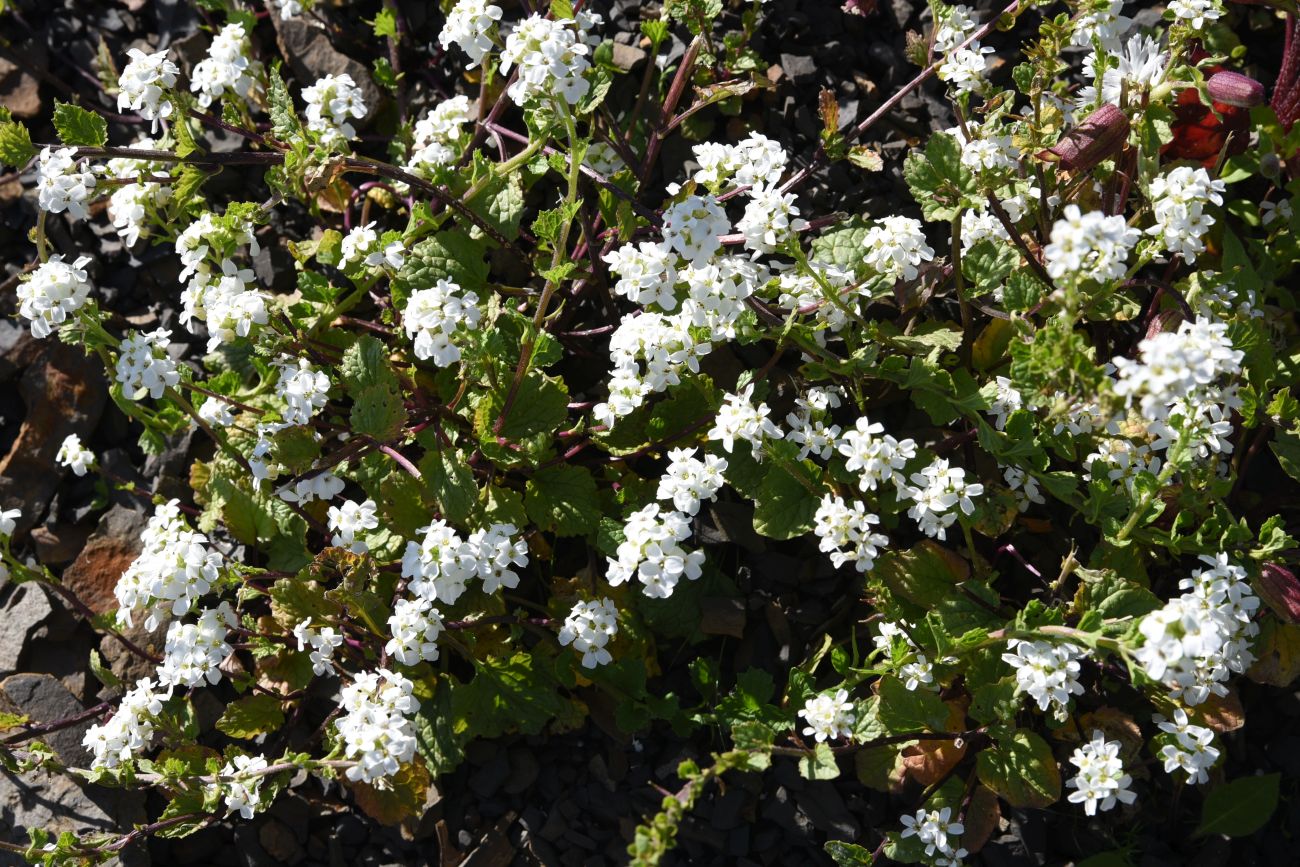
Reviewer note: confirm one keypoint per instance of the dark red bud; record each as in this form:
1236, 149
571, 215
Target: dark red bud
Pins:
1281, 590
1235, 89
1100, 136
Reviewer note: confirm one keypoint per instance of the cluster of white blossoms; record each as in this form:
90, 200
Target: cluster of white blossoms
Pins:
1194, 13
895, 248
143, 365
132, 205
551, 60
434, 316
193, 652
221, 297
1047, 672
1130, 70
1193, 366
962, 67
663, 344
323, 642
1089, 246
262, 468
361, 245
140, 88
128, 731
323, 486
469, 25
240, 785
647, 274
228, 68
75, 456
440, 135
303, 389
808, 425
937, 492
375, 727
755, 161
739, 418
937, 831
55, 289
414, 626
1100, 781
1025, 488
829, 716
693, 227
651, 552
588, 627
441, 564
1103, 22
893, 639
845, 532
1193, 750
63, 184
1199, 639
877, 457
333, 102
350, 520
688, 480
1179, 200
986, 150
174, 568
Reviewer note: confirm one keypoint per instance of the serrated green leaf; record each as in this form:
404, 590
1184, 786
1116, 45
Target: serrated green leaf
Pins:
16, 146
251, 716
563, 499
787, 500
1019, 767
450, 484
78, 127
284, 118
909, 710
378, 412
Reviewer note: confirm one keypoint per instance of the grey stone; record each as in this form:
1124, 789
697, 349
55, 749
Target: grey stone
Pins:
800, 68
57, 804
44, 700
28, 608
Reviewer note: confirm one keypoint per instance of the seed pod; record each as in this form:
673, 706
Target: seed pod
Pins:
1235, 89
1100, 136
1281, 590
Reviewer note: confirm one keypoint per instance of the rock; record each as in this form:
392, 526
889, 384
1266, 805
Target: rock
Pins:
43, 699
280, 842
28, 608
64, 393
723, 616
57, 804
524, 771
626, 57
19, 89
128, 666
57, 544
106, 555
799, 68
312, 56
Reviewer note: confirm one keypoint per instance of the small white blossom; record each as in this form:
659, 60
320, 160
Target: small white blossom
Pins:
332, 103
588, 627
845, 532
933, 828
243, 791
375, 727
61, 185
829, 717
651, 552
434, 316
440, 135
1178, 202
193, 652
494, 551
1047, 672
73, 455
693, 227
143, 365
129, 730
228, 68
647, 274
439, 565
896, 246
740, 419
688, 480
1193, 751
469, 25
1089, 246
1100, 781
551, 58
874, 455
216, 412
303, 389
937, 493
415, 626
55, 289
323, 643
351, 519
1194, 13
140, 87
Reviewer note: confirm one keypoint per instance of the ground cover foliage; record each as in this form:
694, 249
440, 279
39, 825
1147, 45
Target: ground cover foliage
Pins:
532, 403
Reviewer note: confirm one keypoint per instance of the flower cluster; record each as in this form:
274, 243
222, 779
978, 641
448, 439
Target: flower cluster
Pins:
129, 730
937, 493
829, 716
143, 365
350, 520
937, 831
62, 184
133, 205
1178, 202
441, 564
415, 626
740, 419
895, 248
228, 69
845, 533
1193, 749
651, 552
433, 316
1100, 782
469, 25
323, 642
687, 480
55, 289
375, 728
589, 628
551, 56
362, 245
1089, 246
303, 389
174, 569
333, 102
141, 87
875, 458
440, 135
1048, 673
73, 455
193, 652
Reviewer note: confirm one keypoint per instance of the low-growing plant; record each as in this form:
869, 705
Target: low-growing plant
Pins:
459, 473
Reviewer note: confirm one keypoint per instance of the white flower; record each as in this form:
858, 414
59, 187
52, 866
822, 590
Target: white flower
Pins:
1101, 780
829, 717
769, 219
469, 25
1101, 21
434, 316
1178, 367
665, 344
172, 571
1178, 202
332, 103
289, 8
1137, 67
242, 793
895, 247
1089, 246
493, 552
687, 480
216, 412
8, 517
1048, 672
375, 727
740, 419
965, 67
129, 730
876, 459
322, 642
193, 652
588, 627
415, 626
224, 302
647, 274
440, 564
1193, 751
323, 486
551, 59
808, 425
845, 533
918, 673
1024, 486
55, 289
440, 134
228, 68
140, 87
303, 389
143, 366
1270, 211
1006, 400
933, 828
1195, 13
650, 552
61, 185
132, 205
73, 455
350, 519
937, 492
692, 227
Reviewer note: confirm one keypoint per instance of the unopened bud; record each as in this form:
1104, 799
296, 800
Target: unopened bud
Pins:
1100, 136
1281, 590
1235, 89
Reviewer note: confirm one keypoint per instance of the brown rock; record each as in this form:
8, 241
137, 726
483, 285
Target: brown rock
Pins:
627, 56
280, 843
19, 90
57, 545
106, 555
128, 666
64, 393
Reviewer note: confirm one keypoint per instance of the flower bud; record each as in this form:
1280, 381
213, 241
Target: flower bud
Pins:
1281, 590
1099, 137
1235, 89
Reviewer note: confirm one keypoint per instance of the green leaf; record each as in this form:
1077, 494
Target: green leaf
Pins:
786, 501
284, 118
549, 223
1019, 768
510, 694
842, 245
1113, 597
1022, 290
848, 854
937, 178
563, 499
251, 716
1286, 447
1240, 808
987, 264
442, 748
821, 765
925, 574
378, 412
449, 255
504, 204
540, 407
365, 364
450, 484
385, 24
909, 710
16, 146
78, 127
